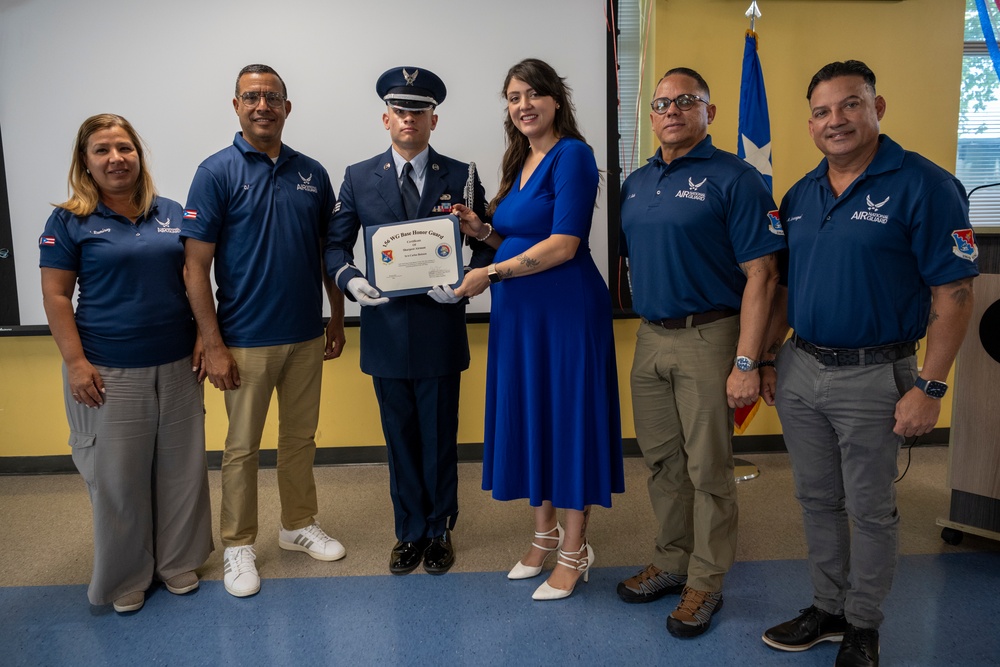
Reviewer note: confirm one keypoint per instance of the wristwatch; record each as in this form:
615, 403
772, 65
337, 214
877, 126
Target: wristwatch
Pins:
491, 273
932, 388
746, 364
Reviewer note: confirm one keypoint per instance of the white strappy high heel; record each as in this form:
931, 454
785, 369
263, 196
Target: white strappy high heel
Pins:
581, 563
521, 571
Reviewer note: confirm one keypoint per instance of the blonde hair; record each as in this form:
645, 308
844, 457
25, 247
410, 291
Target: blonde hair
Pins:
83, 191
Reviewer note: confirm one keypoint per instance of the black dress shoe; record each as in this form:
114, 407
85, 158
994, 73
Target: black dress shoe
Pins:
440, 554
405, 556
860, 648
801, 633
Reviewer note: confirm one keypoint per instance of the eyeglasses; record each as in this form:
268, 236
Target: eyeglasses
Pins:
683, 102
251, 99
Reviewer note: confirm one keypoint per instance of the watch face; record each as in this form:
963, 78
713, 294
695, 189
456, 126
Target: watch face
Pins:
744, 364
932, 388
936, 389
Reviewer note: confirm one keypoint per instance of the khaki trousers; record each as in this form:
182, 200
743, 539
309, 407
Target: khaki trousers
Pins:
684, 428
296, 371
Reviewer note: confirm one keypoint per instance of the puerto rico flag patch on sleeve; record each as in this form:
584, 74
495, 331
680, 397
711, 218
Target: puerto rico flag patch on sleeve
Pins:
46, 240
965, 244
190, 214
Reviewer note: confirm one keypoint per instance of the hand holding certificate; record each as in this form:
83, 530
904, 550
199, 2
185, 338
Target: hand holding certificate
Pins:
413, 256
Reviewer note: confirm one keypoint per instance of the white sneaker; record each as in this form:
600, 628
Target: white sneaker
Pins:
241, 578
313, 541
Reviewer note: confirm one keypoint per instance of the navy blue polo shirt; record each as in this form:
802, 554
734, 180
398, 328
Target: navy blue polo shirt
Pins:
686, 227
132, 309
267, 220
860, 266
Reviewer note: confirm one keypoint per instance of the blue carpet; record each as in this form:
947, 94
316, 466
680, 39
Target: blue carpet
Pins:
942, 611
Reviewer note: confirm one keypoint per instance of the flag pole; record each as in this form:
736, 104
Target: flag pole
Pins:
753, 13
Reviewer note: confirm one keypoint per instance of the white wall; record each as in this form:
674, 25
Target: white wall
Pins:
170, 69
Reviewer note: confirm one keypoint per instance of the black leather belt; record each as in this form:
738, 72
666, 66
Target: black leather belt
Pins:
829, 356
695, 320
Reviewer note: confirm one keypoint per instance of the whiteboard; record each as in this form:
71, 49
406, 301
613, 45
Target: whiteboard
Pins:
170, 69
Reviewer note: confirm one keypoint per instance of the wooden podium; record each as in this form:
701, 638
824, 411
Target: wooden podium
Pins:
974, 454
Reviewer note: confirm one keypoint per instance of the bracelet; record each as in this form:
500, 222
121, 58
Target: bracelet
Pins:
488, 234
769, 362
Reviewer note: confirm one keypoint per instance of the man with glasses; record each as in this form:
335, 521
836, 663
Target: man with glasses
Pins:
415, 347
880, 254
260, 210
700, 243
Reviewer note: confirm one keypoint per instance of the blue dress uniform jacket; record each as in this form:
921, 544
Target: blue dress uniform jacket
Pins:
411, 336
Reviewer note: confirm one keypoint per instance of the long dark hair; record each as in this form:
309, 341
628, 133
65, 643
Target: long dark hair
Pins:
546, 82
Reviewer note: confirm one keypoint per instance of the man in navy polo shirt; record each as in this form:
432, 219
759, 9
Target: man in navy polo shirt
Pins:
880, 253
260, 210
701, 249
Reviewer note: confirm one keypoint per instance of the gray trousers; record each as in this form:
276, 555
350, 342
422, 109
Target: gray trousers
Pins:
142, 455
837, 424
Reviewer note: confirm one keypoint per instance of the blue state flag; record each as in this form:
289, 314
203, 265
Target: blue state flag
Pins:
754, 143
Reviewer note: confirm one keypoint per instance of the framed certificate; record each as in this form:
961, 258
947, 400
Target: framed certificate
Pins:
412, 256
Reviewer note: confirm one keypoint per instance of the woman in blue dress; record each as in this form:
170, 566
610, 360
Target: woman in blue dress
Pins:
553, 431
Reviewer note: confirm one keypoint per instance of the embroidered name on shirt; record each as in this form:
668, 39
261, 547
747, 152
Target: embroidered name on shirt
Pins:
100, 231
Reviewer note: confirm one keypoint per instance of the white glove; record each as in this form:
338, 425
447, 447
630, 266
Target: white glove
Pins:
364, 293
443, 294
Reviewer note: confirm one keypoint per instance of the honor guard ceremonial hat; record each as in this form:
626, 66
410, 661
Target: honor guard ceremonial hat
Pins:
411, 88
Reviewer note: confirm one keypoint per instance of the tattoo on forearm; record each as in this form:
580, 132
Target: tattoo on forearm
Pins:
933, 317
962, 294
506, 273
528, 261
775, 347
757, 265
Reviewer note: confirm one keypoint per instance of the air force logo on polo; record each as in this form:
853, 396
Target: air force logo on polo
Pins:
692, 193
306, 184
872, 214
163, 227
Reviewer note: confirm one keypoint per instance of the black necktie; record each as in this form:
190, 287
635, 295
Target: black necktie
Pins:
411, 198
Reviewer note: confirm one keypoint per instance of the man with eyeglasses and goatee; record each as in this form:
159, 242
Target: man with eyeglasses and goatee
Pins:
260, 211
701, 247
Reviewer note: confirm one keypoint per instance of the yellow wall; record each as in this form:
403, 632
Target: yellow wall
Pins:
914, 46
33, 421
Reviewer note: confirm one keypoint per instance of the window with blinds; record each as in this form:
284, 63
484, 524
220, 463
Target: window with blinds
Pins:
629, 81
978, 160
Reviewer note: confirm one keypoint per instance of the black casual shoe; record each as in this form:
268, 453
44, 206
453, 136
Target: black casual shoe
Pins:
650, 584
693, 615
812, 627
859, 649
405, 556
440, 554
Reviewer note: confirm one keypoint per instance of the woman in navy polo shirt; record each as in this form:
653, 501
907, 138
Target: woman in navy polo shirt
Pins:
131, 372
